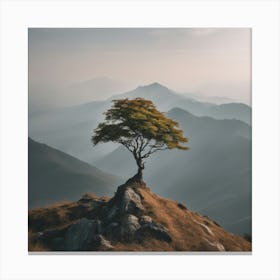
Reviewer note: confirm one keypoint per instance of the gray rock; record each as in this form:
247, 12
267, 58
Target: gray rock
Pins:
129, 225
145, 219
112, 212
102, 244
131, 202
80, 236
113, 231
126, 201
153, 230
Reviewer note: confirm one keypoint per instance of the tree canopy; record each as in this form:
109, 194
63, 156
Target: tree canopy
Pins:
140, 128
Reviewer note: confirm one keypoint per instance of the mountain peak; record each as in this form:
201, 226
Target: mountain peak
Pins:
154, 85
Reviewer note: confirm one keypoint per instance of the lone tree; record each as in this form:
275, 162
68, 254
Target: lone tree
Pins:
141, 129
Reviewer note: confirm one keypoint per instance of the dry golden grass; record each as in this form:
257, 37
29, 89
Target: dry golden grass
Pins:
94, 196
33, 243
188, 229
59, 213
52, 216
149, 245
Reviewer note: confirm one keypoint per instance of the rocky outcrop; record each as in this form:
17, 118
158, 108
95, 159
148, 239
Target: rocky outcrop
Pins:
120, 219
129, 225
133, 219
153, 230
125, 201
81, 235
126, 219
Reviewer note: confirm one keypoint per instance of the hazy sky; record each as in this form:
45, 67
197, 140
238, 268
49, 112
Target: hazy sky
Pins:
208, 61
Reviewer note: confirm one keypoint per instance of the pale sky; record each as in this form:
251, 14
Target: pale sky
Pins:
210, 61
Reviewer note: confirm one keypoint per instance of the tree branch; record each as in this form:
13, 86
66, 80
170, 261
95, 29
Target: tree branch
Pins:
126, 144
154, 148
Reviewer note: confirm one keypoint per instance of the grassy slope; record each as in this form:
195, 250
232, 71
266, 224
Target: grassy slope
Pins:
189, 230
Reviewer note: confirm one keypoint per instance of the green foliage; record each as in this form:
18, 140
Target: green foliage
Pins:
140, 127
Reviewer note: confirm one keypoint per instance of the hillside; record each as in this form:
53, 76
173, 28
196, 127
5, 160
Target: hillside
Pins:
213, 177
54, 176
135, 219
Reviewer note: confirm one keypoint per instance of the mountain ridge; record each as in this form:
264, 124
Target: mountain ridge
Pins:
61, 127
54, 175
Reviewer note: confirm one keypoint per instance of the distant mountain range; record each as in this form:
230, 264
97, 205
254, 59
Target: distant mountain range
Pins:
69, 128
211, 99
166, 99
213, 177
54, 176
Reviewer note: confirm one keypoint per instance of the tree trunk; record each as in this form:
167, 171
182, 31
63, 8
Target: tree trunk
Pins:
138, 177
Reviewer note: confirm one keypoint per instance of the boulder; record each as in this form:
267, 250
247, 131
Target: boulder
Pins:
113, 231
153, 230
125, 201
129, 225
131, 202
80, 236
145, 219
112, 212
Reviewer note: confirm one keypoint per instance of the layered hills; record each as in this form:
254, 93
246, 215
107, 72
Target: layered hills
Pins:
54, 176
166, 99
65, 128
134, 219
